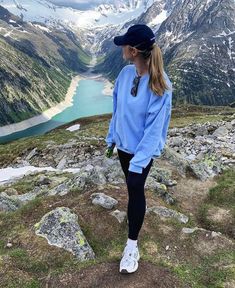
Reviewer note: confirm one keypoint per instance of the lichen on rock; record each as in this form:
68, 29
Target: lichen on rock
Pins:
60, 227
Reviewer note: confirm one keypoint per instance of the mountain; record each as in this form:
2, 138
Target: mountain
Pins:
91, 26
196, 39
102, 15
36, 66
154, 16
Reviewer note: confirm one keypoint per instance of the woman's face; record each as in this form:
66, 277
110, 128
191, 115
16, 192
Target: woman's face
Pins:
128, 52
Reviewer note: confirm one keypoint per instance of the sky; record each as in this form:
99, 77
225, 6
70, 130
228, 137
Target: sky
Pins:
80, 4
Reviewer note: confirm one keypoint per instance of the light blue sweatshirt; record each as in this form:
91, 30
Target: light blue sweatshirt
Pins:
139, 124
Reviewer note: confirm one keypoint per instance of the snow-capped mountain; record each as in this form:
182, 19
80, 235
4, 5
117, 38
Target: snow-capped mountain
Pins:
197, 40
155, 14
51, 14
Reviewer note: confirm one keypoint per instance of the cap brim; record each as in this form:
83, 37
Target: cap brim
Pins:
119, 40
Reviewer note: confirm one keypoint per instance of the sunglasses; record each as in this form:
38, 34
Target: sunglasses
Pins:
136, 82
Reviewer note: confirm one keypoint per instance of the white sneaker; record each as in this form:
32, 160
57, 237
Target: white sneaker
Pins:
129, 261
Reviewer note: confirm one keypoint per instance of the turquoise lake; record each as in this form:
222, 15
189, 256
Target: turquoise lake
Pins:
88, 100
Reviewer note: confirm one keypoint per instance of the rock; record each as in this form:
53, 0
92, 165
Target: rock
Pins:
200, 155
103, 200
43, 180
220, 132
176, 141
168, 213
200, 171
8, 204
61, 190
176, 159
98, 177
209, 166
213, 234
201, 130
161, 190
9, 245
62, 163
80, 180
119, 215
32, 154
61, 229
228, 125
11, 191
89, 167
162, 175
191, 157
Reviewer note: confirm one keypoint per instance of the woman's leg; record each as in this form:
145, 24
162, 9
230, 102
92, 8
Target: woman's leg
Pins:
124, 159
136, 202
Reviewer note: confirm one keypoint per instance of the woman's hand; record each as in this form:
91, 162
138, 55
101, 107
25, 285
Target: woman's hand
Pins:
109, 151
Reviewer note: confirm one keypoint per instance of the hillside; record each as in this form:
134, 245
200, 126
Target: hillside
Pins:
36, 66
188, 236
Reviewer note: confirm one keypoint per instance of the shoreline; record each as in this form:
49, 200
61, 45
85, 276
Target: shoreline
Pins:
108, 88
46, 115
67, 102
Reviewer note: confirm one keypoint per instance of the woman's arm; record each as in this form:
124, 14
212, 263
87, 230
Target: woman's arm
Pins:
157, 123
109, 138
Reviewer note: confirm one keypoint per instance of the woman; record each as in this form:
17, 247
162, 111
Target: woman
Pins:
142, 101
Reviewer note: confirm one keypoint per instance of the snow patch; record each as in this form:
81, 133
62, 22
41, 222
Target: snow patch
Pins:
168, 33
230, 41
74, 127
159, 18
223, 33
42, 28
9, 173
8, 34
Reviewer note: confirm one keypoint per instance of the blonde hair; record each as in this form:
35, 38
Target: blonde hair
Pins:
157, 82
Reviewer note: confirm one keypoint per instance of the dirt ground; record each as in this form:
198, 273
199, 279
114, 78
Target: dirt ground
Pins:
106, 275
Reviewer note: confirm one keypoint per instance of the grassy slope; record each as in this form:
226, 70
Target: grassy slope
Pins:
31, 262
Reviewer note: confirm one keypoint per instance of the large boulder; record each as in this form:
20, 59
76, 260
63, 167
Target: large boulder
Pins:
60, 227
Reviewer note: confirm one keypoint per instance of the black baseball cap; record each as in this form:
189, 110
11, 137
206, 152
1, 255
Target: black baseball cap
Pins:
138, 35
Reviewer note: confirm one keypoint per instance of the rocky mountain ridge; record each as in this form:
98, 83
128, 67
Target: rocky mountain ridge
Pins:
194, 42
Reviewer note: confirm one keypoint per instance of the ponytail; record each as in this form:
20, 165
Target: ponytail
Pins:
157, 82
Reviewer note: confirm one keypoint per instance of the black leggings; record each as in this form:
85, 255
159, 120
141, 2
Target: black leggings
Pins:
136, 202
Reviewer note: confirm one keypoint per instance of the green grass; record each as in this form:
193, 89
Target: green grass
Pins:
208, 273
222, 196
19, 283
23, 261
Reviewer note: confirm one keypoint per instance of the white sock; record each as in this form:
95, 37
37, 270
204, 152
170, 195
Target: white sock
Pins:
131, 243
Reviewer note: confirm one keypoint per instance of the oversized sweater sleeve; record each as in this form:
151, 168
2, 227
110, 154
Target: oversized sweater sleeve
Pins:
157, 120
109, 138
